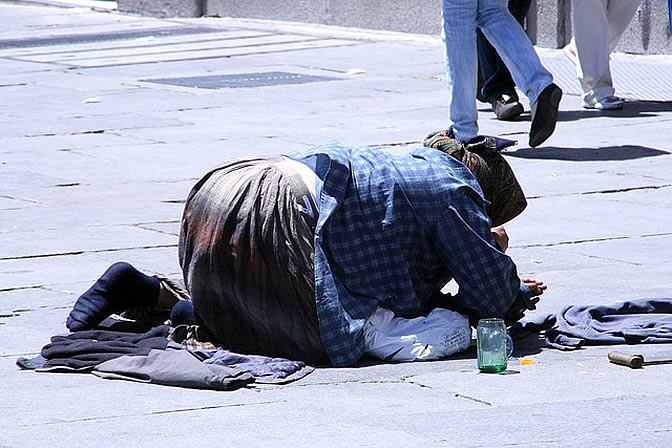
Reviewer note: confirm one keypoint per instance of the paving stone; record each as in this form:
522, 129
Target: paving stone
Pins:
74, 201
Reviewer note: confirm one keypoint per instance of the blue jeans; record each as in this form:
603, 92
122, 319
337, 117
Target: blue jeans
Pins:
460, 20
496, 78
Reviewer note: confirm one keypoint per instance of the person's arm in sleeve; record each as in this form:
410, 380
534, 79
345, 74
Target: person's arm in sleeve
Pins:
487, 277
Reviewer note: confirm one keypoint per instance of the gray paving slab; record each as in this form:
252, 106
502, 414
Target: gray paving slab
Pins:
25, 244
59, 270
31, 299
584, 217
86, 183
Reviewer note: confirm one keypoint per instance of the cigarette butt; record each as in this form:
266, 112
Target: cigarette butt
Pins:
527, 362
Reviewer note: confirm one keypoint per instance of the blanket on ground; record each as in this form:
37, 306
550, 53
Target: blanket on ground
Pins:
641, 321
152, 358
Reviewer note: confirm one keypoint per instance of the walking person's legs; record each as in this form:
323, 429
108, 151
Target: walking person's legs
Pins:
498, 87
459, 34
517, 52
591, 42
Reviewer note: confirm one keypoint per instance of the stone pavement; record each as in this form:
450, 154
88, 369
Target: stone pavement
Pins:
98, 151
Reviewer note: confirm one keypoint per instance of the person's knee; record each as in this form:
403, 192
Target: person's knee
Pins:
123, 279
121, 270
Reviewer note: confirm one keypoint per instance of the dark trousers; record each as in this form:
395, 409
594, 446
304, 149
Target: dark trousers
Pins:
495, 77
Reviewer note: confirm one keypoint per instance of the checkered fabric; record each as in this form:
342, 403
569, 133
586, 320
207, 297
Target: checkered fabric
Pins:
392, 231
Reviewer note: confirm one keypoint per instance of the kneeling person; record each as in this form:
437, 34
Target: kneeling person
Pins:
290, 256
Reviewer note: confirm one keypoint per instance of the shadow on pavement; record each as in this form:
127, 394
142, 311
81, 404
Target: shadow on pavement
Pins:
606, 153
631, 109
530, 345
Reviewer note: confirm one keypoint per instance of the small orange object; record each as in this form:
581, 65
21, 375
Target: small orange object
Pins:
527, 362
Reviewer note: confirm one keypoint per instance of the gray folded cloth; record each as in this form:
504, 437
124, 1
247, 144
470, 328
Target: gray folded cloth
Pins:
264, 369
173, 368
82, 350
641, 321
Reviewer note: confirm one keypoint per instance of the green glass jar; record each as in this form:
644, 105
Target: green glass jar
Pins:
491, 345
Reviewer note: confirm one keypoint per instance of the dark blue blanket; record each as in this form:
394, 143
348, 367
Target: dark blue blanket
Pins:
642, 321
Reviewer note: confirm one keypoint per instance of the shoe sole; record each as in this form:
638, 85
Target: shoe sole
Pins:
511, 114
548, 127
616, 107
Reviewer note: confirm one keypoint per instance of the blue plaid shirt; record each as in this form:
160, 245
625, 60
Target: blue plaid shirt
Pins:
392, 231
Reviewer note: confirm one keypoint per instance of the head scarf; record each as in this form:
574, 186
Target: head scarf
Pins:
494, 175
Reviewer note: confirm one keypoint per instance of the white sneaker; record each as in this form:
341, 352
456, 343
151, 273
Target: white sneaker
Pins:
608, 103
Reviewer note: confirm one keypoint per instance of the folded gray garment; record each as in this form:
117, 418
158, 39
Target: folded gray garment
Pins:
173, 368
641, 321
265, 370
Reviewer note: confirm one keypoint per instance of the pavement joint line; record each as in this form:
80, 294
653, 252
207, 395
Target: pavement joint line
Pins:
391, 145
164, 221
402, 380
157, 181
100, 225
320, 29
84, 252
13, 355
528, 443
53, 134
19, 288
610, 191
155, 43
169, 51
16, 198
199, 58
424, 386
27, 72
104, 37
596, 257
324, 69
149, 229
477, 400
58, 291
149, 414
591, 240
106, 130
19, 311
53, 63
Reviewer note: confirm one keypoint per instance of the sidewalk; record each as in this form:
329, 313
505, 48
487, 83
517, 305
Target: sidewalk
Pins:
102, 134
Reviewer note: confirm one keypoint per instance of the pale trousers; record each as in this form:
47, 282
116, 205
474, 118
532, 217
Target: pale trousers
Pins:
598, 26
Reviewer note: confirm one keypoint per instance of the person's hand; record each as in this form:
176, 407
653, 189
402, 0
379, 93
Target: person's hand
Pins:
501, 237
537, 288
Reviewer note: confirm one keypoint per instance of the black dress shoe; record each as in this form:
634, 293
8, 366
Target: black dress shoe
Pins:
506, 107
545, 114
